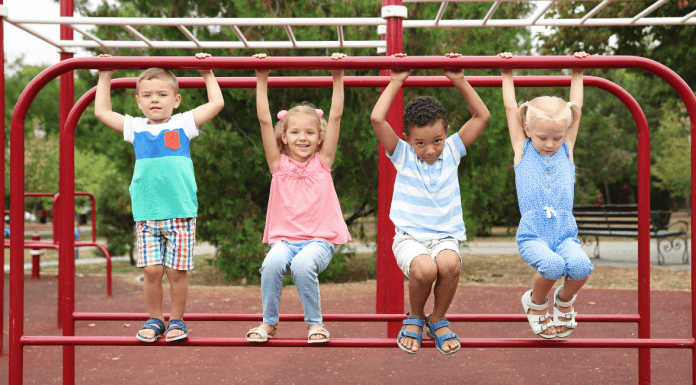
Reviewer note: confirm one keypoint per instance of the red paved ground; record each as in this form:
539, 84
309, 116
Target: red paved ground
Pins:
137, 365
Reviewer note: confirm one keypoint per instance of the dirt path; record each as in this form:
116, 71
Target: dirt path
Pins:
137, 365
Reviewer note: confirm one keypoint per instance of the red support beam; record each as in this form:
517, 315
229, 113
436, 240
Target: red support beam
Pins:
78, 316
366, 342
2, 166
66, 254
390, 278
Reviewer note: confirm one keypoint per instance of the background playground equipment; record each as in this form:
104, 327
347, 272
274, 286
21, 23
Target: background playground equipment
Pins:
36, 244
644, 343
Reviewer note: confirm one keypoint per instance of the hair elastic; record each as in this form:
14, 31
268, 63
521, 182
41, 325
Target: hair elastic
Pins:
319, 112
281, 114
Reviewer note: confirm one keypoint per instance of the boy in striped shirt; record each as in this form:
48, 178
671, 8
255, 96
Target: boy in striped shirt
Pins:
426, 205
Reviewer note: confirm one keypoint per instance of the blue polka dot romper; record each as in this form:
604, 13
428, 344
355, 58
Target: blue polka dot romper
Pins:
547, 237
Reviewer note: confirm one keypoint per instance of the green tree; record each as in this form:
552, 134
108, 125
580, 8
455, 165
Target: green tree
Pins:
667, 44
672, 162
40, 168
43, 113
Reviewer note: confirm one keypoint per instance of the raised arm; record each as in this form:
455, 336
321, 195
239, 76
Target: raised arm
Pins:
204, 113
479, 112
576, 99
512, 111
378, 118
330, 140
102, 102
263, 111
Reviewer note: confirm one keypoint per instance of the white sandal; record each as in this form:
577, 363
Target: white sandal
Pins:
535, 320
264, 334
557, 314
316, 331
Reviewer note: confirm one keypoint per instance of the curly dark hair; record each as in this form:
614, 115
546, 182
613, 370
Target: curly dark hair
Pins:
422, 111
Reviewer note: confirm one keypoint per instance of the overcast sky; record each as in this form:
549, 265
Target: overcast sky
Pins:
18, 42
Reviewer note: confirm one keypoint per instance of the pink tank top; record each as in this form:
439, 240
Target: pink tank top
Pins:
303, 204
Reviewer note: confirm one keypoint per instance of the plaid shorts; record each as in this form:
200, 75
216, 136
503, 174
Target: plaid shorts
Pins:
167, 242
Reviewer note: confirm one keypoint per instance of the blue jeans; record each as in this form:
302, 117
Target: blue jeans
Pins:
305, 260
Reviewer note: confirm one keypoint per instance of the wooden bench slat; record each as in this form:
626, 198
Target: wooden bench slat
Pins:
622, 221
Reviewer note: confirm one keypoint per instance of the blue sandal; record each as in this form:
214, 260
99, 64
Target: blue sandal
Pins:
416, 336
441, 340
176, 324
154, 324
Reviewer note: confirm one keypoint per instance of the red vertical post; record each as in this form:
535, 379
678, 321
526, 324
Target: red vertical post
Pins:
66, 263
35, 253
3, 13
390, 279
644, 370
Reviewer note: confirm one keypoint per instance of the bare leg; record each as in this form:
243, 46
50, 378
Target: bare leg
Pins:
423, 274
152, 283
448, 269
178, 283
570, 287
540, 291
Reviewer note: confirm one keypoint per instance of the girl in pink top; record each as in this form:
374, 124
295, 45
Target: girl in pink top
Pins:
304, 221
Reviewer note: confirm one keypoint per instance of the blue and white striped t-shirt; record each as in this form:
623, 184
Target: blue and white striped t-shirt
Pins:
427, 202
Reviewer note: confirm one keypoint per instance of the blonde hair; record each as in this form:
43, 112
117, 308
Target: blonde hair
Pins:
549, 108
158, 73
303, 109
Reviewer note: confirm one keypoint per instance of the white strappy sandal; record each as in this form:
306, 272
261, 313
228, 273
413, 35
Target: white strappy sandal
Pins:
535, 320
316, 331
264, 334
557, 314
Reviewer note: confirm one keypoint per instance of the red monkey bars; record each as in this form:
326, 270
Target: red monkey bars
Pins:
17, 340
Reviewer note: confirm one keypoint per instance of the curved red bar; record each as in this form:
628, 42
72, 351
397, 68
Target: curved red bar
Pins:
189, 63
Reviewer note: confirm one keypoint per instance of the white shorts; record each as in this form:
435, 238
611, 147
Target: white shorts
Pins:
406, 249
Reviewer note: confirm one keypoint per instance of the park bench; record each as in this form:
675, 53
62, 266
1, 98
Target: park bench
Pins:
621, 220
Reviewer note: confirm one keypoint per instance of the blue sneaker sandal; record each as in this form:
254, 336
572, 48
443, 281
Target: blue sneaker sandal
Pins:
416, 336
439, 341
176, 324
153, 324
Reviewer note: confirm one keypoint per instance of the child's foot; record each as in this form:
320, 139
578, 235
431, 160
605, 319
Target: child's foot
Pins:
564, 314
564, 309
317, 334
176, 330
550, 330
538, 316
264, 333
151, 330
413, 327
447, 345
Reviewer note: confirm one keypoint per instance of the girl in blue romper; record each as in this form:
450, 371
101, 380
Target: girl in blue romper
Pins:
543, 133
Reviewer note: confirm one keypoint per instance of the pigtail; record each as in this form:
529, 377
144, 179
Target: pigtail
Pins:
524, 109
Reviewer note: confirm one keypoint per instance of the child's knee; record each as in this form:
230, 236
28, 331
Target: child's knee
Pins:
551, 268
303, 267
273, 266
424, 272
449, 267
153, 274
176, 276
579, 269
